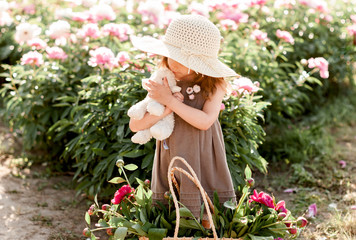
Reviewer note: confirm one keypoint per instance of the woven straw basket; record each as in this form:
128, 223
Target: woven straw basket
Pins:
207, 202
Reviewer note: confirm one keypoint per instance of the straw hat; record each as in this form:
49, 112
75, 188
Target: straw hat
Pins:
191, 40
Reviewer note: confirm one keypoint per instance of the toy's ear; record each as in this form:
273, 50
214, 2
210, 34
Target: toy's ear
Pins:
144, 82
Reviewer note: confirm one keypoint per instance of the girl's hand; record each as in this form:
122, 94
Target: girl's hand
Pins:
159, 92
179, 96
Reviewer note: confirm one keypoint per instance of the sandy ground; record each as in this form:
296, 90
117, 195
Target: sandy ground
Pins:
32, 204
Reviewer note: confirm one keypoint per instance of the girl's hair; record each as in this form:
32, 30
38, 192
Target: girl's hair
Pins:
207, 84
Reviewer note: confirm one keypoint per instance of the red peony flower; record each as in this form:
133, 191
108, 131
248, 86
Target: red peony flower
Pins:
262, 198
121, 193
281, 207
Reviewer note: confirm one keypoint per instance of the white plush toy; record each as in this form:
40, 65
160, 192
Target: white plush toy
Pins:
163, 128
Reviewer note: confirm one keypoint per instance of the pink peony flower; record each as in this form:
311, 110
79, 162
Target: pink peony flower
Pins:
353, 18
321, 64
233, 14
102, 56
121, 31
56, 53
342, 164
312, 211
89, 30
228, 24
32, 58
222, 107
37, 43
351, 30
123, 58
262, 198
258, 2
244, 84
258, 35
121, 193
29, 9
286, 36
281, 207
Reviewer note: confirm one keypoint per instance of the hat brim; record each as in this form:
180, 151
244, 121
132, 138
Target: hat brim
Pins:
202, 64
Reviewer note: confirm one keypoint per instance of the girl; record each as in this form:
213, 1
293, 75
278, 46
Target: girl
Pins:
190, 50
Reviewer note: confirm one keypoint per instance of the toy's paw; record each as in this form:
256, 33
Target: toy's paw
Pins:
141, 137
163, 128
155, 108
136, 113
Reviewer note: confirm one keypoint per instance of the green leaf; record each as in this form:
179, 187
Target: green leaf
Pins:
230, 204
185, 212
157, 233
117, 180
253, 237
87, 218
248, 173
131, 167
120, 233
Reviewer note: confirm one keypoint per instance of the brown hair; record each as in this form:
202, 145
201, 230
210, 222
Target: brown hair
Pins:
207, 84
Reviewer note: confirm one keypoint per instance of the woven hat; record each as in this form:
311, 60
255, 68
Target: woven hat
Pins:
191, 40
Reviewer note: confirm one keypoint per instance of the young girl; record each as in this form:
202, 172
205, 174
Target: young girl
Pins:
190, 50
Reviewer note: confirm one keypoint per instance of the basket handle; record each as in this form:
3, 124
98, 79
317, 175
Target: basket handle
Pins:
196, 181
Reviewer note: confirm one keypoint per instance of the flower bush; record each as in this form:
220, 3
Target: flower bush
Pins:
132, 214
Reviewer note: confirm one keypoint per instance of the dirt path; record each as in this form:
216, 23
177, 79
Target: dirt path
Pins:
32, 204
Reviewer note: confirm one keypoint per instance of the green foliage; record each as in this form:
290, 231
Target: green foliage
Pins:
136, 216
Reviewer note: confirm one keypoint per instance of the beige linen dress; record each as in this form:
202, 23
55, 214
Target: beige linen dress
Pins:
203, 150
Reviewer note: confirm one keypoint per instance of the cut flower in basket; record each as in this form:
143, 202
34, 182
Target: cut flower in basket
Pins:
133, 215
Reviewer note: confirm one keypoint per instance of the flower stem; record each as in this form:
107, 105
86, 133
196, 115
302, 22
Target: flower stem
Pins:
127, 180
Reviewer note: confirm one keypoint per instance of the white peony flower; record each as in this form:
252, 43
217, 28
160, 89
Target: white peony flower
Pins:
103, 12
26, 32
59, 29
5, 19
4, 6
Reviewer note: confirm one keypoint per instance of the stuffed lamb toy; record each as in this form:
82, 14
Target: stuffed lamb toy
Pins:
163, 128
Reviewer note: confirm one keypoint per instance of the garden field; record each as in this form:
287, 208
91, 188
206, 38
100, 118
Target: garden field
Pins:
69, 74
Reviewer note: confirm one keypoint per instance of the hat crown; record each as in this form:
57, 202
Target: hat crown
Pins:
194, 33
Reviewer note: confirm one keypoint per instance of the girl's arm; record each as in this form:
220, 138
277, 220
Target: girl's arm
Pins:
149, 120
201, 119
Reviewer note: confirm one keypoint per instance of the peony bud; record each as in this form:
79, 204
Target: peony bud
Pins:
147, 182
250, 182
91, 209
120, 163
304, 62
105, 207
86, 232
293, 230
167, 195
302, 222
281, 215
109, 231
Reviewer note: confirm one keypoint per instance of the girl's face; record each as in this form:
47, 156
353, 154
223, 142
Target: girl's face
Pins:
180, 71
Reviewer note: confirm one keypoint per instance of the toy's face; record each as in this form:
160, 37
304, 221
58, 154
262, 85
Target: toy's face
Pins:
180, 71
